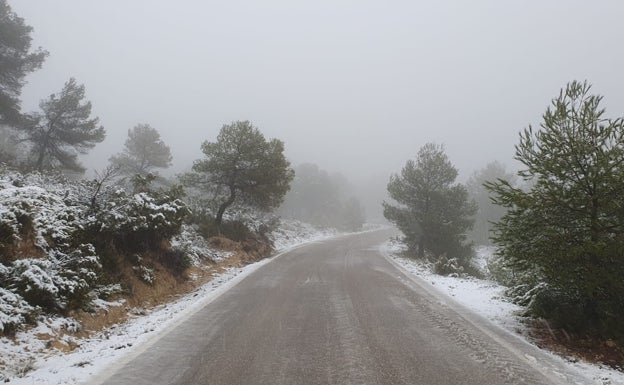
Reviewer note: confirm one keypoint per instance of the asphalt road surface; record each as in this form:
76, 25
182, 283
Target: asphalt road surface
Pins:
335, 312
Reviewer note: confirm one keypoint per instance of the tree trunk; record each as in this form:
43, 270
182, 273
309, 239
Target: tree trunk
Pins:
224, 206
44, 147
40, 159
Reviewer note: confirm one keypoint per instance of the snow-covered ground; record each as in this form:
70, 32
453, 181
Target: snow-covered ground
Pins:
486, 299
28, 361
34, 364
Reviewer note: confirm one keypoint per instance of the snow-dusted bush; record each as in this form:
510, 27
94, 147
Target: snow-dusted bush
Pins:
31, 211
14, 311
195, 246
500, 272
54, 234
144, 273
59, 283
138, 221
450, 267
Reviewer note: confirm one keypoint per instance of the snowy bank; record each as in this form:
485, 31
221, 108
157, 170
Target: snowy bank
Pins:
27, 359
486, 298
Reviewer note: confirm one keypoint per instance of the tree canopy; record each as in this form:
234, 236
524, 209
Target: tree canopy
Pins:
63, 129
569, 225
432, 211
16, 61
243, 165
143, 152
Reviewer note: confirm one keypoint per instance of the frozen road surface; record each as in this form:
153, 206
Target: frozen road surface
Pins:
334, 312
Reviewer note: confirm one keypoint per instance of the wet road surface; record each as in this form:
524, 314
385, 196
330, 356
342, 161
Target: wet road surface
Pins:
333, 312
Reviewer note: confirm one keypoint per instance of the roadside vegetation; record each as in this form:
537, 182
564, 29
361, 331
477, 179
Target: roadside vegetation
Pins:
433, 211
70, 245
556, 226
561, 242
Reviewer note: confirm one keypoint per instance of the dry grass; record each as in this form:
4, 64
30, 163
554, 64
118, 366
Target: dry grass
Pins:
167, 286
595, 350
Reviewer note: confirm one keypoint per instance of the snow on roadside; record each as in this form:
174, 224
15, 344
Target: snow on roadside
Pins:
30, 362
487, 299
292, 233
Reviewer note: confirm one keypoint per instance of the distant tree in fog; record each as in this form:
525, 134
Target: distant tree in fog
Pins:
353, 215
16, 61
313, 196
243, 165
319, 198
143, 152
488, 212
433, 212
62, 130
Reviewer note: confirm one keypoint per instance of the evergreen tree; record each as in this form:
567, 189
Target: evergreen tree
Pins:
143, 151
569, 225
433, 211
63, 130
16, 61
243, 165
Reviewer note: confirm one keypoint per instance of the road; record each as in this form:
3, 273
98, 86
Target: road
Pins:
334, 312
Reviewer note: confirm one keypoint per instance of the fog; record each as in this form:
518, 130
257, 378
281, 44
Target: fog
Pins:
353, 86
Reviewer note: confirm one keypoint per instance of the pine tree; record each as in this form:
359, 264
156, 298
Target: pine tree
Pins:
16, 61
143, 151
243, 165
433, 211
569, 225
63, 130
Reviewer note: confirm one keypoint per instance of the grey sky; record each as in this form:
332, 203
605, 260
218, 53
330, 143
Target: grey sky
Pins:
354, 86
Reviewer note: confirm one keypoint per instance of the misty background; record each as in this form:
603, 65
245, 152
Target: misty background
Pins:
355, 87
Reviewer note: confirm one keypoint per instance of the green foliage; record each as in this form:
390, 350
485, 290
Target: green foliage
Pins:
14, 310
433, 211
137, 222
60, 283
16, 61
32, 215
568, 227
242, 165
60, 241
207, 226
176, 260
63, 130
143, 152
450, 267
